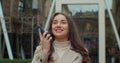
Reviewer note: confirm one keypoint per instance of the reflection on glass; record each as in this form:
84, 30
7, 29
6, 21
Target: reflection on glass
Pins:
82, 8
86, 19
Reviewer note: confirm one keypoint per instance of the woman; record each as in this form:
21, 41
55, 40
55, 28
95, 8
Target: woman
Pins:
61, 43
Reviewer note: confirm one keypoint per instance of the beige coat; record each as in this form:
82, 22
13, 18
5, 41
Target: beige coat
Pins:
69, 57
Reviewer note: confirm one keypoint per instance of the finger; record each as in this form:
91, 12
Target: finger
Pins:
48, 35
50, 38
40, 35
45, 33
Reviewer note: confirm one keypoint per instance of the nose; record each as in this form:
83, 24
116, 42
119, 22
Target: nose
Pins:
58, 24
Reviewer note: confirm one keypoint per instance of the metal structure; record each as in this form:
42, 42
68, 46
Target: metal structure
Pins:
101, 21
50, 14
113, 24
2, 20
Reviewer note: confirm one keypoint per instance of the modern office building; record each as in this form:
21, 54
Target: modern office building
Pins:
98, 24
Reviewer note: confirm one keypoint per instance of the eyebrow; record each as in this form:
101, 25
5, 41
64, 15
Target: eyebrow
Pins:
61, 20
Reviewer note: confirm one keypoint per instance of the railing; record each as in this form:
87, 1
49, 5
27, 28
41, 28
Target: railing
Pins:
27, 26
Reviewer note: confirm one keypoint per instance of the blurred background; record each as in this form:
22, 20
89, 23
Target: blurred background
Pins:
20, 17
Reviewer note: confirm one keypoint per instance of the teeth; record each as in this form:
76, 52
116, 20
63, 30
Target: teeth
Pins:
58, 30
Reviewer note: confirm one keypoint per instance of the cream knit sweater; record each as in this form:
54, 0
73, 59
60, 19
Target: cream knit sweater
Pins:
62, 54
61, 47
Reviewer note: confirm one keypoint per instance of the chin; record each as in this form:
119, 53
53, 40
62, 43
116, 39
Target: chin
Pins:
58, 35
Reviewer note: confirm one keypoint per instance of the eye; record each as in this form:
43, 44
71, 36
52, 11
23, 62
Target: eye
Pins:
63, 21
54, 22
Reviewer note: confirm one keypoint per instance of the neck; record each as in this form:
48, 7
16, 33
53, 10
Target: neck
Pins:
61, 39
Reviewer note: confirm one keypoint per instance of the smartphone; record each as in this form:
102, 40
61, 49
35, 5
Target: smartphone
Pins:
41, 29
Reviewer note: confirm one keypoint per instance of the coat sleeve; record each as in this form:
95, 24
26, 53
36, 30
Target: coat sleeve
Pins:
39, 56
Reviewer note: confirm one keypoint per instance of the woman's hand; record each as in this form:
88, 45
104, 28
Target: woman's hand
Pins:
45, 39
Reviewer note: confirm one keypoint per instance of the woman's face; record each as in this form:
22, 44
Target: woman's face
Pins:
60, 27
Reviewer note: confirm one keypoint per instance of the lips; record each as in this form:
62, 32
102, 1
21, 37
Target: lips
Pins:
58, 30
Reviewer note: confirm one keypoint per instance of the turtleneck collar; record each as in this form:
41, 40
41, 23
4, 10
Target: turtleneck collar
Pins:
61, 44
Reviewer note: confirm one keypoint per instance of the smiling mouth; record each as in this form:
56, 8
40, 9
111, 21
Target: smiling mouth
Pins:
58, 30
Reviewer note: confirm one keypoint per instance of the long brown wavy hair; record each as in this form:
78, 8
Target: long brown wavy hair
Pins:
73, 37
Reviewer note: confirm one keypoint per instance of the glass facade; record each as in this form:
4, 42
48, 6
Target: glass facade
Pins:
86, 19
